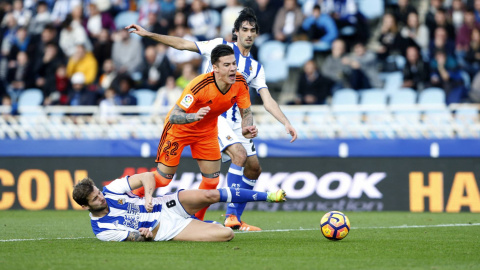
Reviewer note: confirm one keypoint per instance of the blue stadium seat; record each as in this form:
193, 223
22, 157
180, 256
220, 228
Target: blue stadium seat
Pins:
403, 97
28, 98
393, 81
276, 71
298, 53
145, 97
373, 97
432, 95
345, 96
371, 9
126, 18
271, 50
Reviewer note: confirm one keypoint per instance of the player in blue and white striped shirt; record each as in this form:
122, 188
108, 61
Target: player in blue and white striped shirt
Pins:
118, 215
245, 167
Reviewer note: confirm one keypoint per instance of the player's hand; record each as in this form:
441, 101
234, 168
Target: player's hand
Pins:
137, 29
148, 202
146, 233
250, 132
291, 130
201, 113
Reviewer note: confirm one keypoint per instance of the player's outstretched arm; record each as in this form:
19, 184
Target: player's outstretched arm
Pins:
147, 180
179, 116
272, 107
171, 41
249, 131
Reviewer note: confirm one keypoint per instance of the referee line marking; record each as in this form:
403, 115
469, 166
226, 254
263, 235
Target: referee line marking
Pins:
282, 230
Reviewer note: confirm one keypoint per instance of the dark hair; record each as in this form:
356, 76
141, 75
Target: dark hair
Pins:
219, 51
82, 190
247, 14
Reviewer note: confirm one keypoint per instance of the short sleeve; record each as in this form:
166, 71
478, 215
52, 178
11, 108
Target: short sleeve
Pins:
243, 98
118, 186
206, 47
259, 81
187, 99
112, 235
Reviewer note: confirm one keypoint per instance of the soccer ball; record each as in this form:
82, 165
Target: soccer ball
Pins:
335, 225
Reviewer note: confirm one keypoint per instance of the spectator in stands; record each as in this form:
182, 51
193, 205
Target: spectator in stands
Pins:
21, 14
474, 93
180, 58
416, 73
83, 62
156, 67
123, 89
287, 21
40, 20
21, 43
98, 21
154, 26
401, 11
188, 74
363, 64
9, 31
45, 69
167, 96
126, 52
119, 6
102, 47
442, 21
476, 6
78, 94
147, 7
448, 78
456, 13
442, 43
312, 87
414, 33
201, 21
320, 29
60, 94
333, 67
108, 74
20, 75
62, 8
390, 41
349, 20
10, 108
264, 10
472, 57
430, 16
228, 16
464, 34
78, 16
108, 105
71, 35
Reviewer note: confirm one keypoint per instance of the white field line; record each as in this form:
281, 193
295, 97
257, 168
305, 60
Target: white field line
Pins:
282, 230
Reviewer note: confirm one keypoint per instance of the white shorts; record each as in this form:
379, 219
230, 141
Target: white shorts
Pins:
173, 218
227, 135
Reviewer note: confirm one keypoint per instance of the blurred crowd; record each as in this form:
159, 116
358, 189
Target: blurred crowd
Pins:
79, 52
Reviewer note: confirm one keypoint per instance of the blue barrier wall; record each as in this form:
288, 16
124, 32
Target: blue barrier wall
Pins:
265, 148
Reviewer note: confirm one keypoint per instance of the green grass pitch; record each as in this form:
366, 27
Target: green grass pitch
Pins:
290, 240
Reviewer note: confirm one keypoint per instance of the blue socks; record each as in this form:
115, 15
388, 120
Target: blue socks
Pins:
239, 195
235, 179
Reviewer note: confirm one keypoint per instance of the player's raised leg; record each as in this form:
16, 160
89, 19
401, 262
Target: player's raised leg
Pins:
210, 178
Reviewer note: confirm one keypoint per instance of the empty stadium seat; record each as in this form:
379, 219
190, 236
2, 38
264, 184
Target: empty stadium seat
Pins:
145, 97
393, 81
271, 50
432, 95
126, 18
405, 96
298, 53
373, 97
345, 96
275, 71
28, 101
371, 9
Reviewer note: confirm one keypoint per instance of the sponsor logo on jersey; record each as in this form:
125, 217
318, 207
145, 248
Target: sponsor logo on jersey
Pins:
187, 101
229, 138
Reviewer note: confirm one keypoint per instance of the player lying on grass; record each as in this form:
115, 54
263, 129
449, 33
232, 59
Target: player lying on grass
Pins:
118, 215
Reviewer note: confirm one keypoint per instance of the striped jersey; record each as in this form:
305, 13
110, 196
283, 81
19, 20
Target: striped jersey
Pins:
251, 70
201, 92
126, 212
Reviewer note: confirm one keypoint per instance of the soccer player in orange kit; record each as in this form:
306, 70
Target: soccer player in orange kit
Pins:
193, 121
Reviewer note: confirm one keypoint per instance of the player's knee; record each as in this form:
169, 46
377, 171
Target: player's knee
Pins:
226, 234
238, 155
211, 196
253, 172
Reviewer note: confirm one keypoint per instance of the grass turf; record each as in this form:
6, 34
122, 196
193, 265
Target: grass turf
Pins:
292, 241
